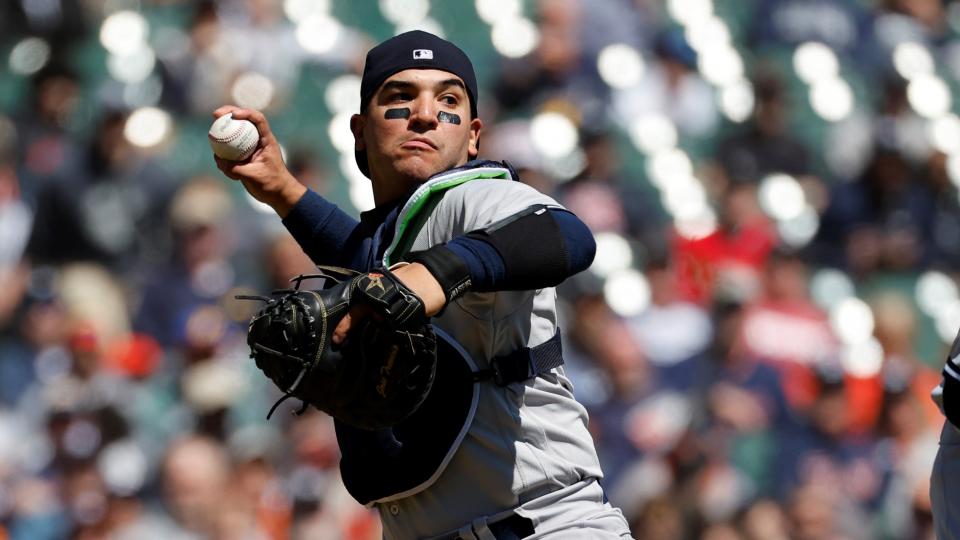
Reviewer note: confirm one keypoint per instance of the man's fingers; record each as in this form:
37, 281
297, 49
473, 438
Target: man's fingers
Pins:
238, 170
343, 327
226, 109
226, 167
258, 120
352, 318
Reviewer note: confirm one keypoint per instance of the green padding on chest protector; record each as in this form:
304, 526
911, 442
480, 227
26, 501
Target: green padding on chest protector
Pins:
421, 204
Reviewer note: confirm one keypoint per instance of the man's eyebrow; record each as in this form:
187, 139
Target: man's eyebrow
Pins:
396, 84
452, 82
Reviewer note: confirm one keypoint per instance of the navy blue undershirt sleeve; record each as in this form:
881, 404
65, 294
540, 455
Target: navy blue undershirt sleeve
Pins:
320, 227
578, 240
484, 263
488, 271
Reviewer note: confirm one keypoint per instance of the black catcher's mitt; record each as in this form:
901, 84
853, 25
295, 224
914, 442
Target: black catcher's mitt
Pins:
377, 377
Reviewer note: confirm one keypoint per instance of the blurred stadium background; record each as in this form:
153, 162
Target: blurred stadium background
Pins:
772, 185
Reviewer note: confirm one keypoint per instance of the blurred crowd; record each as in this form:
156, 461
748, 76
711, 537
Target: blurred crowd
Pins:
774, 290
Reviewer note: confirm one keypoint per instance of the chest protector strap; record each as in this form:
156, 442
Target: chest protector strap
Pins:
524, 363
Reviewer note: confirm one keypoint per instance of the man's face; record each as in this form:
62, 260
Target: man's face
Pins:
415, 146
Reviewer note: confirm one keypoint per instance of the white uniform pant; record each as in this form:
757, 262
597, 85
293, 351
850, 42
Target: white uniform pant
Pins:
575, 512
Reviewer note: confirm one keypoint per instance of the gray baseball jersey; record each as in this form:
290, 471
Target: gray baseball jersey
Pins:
527, 449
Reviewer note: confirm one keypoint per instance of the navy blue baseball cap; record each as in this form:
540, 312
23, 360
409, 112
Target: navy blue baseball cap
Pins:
413, 50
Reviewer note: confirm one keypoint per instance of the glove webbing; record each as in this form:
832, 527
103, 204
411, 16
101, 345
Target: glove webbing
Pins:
306, 366
524, 363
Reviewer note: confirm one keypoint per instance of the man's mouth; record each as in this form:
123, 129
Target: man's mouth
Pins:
419, 143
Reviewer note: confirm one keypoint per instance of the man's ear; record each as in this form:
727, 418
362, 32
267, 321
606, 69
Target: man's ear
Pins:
357, 122
473, 149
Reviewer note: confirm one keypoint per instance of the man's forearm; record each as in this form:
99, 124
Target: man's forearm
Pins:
319, 226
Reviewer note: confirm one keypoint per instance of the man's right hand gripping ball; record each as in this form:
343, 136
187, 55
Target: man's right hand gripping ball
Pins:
377, 377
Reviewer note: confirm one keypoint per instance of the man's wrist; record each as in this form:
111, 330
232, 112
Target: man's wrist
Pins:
418, 279
288, 197
448, 270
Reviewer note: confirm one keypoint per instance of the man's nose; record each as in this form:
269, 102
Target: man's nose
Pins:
424, 112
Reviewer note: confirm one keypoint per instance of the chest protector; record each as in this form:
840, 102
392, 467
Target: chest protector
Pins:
400, 461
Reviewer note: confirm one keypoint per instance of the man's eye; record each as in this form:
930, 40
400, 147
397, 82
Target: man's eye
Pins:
400, 97
450, 100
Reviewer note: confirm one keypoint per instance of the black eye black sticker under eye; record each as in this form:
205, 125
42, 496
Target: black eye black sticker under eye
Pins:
444, 116
397, 113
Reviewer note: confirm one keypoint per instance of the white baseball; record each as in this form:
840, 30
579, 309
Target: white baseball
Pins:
231, 139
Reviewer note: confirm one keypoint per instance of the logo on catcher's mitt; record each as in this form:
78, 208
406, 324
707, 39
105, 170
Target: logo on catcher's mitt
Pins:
375, 281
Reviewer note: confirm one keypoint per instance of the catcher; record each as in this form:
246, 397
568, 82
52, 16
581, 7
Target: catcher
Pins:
441, 360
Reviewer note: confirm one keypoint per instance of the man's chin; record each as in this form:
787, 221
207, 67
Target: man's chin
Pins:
419, 170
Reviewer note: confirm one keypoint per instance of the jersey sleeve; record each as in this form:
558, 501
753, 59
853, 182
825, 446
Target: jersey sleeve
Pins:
481, 203
504, 236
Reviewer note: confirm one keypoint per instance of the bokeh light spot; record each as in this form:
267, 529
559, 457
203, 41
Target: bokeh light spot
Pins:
147, 127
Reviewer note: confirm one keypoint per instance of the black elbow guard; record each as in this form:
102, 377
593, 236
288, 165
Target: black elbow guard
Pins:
532, 247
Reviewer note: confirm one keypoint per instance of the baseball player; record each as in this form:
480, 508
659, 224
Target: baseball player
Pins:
504, 452
943, 499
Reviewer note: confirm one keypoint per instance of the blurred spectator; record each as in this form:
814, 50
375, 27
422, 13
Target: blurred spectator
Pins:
672, 88
731, 256
914, 20
673, 332
766, 520
199, 272
35, 340
661, 519
844, 26
196, 78
912, 442
109, 210
556, 69
896, 325
818, 512
46, 148
606, 200
764, 145
16, 220
786, 329
745, 401
944, 246
820, 450
881, 221
195, 475
322, 504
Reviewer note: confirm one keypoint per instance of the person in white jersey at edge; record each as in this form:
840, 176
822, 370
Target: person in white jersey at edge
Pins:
945, 499
502, 450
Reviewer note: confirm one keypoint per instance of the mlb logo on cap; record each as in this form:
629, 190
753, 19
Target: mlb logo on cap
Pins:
422, 54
